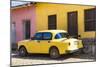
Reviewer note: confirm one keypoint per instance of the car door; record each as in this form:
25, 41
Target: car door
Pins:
45, 42
34, 44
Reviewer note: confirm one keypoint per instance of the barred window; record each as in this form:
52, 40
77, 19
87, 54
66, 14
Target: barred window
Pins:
52, 22
90, 19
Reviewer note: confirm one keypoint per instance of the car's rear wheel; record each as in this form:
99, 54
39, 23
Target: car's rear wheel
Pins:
23, 51
80, 51
54, 53
87, 49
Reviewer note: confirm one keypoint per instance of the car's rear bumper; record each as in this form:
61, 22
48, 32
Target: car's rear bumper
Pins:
72, 51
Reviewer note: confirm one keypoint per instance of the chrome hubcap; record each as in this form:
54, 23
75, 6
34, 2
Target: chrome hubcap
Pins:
53, 53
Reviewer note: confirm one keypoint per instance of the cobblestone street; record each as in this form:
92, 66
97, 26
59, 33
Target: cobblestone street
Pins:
45, 59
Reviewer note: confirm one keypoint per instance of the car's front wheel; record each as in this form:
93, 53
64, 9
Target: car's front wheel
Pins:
54, 53
22, 51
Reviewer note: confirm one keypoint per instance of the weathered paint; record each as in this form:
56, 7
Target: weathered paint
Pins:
20, 14
38, 15
61, 10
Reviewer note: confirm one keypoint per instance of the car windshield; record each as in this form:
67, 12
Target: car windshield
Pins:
61, 35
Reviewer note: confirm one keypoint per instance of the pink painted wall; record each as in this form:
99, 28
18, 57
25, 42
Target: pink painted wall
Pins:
20, 14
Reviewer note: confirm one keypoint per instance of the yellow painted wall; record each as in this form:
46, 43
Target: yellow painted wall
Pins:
45, 9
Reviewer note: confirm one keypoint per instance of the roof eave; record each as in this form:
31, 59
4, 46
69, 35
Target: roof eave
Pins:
23, 5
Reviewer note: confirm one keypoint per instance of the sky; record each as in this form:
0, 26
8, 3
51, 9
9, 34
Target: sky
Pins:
16, 3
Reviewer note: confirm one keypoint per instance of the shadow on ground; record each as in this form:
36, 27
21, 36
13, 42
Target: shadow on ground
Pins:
47, 57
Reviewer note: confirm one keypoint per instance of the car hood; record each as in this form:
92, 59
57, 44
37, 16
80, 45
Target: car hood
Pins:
24, 41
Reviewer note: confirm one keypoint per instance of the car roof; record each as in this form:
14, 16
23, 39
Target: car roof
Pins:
53, 31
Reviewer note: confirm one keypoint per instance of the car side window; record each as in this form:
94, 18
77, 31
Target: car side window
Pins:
38, 36
47, 36
61, 35
57, 36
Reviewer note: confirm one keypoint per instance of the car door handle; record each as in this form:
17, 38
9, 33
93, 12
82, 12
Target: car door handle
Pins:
48, 41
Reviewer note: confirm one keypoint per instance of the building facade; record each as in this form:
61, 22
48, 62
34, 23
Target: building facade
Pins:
75, 19
22, 22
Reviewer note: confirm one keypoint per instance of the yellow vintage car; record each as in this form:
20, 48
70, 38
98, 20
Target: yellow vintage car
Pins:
52, 42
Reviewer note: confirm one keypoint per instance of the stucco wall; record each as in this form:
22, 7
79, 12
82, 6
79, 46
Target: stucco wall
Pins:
61, 10
20, 14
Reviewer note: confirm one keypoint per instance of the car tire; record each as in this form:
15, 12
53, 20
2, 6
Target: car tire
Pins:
80, 51
54, 53
87, 49
22, 51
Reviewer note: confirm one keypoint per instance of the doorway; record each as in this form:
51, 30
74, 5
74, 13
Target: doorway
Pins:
26, 29
72, 24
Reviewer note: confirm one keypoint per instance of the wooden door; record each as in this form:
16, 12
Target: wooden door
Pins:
72, 24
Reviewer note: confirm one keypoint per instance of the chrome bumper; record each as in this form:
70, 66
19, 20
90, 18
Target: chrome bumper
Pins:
72, 51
